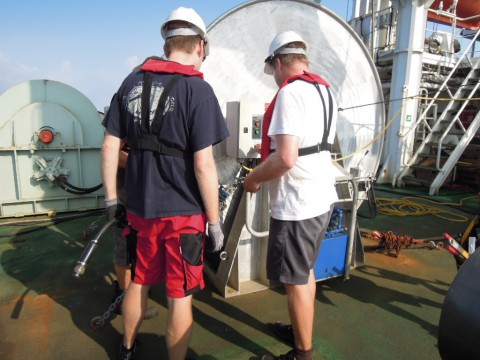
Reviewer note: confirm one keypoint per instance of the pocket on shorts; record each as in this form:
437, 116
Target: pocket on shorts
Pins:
192, 248
191, 245
130, 235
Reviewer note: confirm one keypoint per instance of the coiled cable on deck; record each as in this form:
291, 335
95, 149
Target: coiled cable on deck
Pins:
408, 207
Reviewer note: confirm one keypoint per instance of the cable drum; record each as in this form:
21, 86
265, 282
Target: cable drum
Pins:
239, 44
50, 138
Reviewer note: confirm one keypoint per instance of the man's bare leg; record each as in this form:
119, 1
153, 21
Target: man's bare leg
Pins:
179, 327
133, 310
301, 307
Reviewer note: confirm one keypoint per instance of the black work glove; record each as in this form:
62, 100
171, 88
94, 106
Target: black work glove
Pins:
116, 210
214, 237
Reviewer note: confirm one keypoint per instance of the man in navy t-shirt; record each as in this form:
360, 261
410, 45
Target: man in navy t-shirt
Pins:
171, 119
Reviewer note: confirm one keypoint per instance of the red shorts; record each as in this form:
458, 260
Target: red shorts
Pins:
168, 250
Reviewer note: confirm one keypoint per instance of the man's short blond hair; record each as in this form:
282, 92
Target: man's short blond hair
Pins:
186, 43
289, 59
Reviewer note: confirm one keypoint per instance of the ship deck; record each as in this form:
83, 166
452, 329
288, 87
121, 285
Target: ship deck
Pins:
388, 309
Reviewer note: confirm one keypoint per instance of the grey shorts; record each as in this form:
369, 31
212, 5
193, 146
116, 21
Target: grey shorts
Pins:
120, 248
293, 248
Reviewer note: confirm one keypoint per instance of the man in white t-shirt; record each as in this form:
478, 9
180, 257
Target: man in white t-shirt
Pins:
299, 128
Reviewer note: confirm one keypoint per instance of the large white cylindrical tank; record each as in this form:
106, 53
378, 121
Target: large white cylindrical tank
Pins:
239, 45
48, 130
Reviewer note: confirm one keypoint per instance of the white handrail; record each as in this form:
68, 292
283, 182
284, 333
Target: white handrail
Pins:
247, 219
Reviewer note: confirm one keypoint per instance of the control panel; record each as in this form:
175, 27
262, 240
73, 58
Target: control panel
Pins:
244, 121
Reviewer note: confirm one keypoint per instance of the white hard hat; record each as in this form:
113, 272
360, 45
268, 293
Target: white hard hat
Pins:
189, 15
277, 46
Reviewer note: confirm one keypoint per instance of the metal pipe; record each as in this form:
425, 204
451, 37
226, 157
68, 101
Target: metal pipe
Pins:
247, 220
353, 228
450, 15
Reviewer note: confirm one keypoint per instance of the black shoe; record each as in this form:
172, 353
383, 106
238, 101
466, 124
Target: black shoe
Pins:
127, 354
284, 332
288, 356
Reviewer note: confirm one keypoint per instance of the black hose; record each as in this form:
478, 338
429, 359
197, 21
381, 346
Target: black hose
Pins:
86, 190
79, 269
62, 183
63, 187
52, 222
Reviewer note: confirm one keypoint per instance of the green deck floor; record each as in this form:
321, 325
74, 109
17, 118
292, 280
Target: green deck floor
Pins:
388, 309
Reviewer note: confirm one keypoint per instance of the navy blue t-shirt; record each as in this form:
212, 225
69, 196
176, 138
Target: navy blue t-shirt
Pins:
161, 185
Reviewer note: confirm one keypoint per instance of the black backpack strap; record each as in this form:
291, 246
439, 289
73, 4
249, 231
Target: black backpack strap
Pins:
150, 132
145, 101
159, 114
150, 142
324, 145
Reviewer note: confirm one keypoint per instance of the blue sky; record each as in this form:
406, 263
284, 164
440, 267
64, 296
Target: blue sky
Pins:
92, 45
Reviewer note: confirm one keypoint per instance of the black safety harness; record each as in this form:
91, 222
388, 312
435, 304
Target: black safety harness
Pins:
324, 145
149, 139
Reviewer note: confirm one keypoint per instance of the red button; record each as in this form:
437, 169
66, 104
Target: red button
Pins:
45, 136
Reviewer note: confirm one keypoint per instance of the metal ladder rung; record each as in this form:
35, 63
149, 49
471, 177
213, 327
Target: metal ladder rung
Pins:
451, 132
464, 110
436, 145
426, 168
425, 155
413, 178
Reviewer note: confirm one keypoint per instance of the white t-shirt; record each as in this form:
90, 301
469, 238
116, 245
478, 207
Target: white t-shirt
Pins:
308, 189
